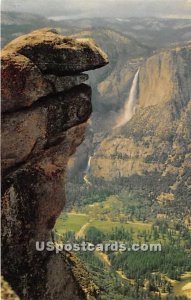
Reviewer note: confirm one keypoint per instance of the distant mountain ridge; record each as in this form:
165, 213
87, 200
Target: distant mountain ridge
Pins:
155, 32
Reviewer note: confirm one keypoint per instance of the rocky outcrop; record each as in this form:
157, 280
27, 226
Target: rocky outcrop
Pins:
45, 108
29, 58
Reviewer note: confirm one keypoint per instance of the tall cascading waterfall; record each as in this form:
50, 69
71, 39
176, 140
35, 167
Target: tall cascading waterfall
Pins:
130, 105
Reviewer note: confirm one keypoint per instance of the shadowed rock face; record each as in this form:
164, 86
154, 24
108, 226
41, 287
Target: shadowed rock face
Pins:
45, 108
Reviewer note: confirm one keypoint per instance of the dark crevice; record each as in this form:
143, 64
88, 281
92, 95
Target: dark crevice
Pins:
43, 100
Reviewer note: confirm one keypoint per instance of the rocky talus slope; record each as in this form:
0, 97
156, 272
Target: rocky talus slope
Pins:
45, 107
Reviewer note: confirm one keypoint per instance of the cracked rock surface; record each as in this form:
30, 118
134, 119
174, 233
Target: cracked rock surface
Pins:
44, 112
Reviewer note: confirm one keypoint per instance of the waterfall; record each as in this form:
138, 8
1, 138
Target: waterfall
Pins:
130, 105
87, 170
88, 165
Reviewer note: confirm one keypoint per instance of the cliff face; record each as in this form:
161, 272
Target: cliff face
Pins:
166, 77
45, 107
152, 151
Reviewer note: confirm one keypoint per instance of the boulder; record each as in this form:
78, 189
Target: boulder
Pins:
37, 64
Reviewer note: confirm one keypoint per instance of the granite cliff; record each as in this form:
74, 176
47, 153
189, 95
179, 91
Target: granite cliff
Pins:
150, 154
45, 106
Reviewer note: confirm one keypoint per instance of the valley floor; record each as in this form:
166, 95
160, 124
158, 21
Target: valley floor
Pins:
81, 226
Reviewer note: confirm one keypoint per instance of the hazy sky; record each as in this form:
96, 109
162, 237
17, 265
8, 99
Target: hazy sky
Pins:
101, 8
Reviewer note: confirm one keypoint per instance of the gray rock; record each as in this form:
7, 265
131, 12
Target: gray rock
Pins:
27, 59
